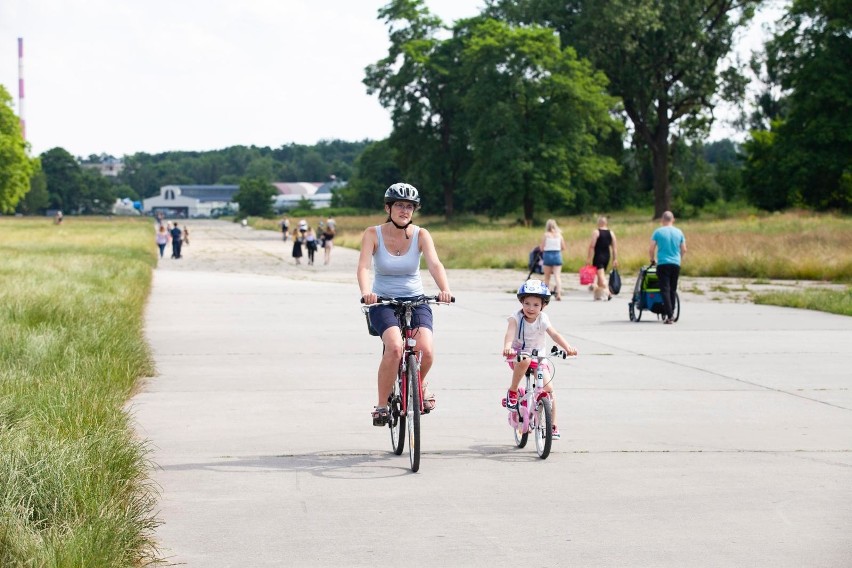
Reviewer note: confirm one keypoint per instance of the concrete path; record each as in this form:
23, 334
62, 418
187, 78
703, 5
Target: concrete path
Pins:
724, 440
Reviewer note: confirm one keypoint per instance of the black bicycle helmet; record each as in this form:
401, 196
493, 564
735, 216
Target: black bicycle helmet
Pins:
534, 287
402, 192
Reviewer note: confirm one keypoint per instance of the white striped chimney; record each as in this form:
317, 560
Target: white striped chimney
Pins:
21, 87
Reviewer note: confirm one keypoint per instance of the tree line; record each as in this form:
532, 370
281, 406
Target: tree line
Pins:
551, 105
579, 105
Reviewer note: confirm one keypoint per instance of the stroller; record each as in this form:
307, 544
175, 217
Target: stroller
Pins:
647, 296
535, 264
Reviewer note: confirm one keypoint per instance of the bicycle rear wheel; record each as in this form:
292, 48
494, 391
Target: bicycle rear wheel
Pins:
543, 428
413, 403
396, 420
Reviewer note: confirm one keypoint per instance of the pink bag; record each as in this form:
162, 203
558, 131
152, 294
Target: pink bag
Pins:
587, 274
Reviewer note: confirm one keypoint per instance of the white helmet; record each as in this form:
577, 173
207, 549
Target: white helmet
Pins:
402, 192
533, 287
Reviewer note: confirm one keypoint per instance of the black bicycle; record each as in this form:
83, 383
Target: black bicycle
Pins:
405, 403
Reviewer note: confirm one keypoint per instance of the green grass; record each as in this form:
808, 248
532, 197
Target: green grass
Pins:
832, 301
74, 489
789, 246
782, 246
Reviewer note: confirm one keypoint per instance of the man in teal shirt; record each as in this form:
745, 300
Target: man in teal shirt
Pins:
668, 246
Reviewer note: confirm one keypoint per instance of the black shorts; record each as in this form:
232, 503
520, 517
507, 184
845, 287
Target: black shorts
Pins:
383, 317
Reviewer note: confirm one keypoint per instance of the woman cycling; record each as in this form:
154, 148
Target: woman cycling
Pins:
394, 249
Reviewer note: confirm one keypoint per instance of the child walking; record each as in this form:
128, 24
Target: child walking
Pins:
525, 332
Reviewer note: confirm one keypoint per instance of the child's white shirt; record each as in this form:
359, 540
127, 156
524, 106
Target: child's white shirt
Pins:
529, 336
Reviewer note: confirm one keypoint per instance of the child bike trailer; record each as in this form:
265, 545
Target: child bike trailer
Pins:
535, 263
647, 296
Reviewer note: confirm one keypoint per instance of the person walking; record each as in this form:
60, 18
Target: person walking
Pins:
552, 246
394, 249
285, 228
311, 244
177, 240
162, 239
668, 247
603, 239
298, 239
328, 239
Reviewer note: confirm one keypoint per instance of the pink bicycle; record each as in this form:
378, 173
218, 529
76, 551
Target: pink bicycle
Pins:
535, 406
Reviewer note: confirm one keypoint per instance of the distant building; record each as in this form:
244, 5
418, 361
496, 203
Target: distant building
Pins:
190, 201
318, 193
107, 166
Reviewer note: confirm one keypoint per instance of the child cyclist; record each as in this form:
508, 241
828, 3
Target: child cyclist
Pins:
525, 332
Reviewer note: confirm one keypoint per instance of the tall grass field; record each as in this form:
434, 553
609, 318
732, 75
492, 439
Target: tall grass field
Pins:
788, 246
74, 489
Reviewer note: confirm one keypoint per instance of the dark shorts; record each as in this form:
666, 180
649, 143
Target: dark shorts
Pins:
383, 317
601, 262
552, 258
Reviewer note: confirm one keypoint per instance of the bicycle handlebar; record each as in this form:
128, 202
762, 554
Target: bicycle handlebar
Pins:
383, 301
554, 352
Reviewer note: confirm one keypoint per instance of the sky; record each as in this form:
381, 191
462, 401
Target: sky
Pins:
124, 76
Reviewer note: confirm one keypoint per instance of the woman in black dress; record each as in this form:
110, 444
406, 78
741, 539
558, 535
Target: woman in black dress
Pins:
603, 239
298, 239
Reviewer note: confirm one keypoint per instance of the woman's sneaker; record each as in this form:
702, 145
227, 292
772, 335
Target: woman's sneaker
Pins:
380, 415
556, 434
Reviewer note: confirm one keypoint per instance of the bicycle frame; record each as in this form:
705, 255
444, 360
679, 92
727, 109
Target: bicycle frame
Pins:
401, 410
530, 396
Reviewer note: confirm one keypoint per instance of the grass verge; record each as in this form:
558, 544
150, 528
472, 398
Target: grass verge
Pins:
832, 301
74, 489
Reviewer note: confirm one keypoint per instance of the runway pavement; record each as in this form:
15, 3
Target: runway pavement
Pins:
723, 440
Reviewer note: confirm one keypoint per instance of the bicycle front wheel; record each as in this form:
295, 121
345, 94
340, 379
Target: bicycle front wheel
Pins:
413, 403
520, 435
543, 428
396, 420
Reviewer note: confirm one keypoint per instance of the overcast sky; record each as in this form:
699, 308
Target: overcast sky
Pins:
126, 76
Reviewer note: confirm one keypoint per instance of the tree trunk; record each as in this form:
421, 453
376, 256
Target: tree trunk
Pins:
660, 153
528, 210
448, 200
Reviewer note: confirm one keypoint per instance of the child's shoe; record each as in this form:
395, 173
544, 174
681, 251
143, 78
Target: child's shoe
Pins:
556, 434
511, 400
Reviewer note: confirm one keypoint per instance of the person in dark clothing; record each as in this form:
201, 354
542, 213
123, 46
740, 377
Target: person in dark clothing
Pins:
668, 245
177, 240
603, 239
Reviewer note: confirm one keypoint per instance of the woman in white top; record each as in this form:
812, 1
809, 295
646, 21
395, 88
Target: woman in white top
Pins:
394, 249
552, 246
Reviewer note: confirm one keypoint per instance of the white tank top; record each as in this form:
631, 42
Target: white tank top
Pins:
397, 276
552, 243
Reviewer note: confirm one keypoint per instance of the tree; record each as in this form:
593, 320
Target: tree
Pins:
97, 193
64, 179
806, 158
37, 199
375, 170
255, 197
536, 114
16, 168
662, 59
419, 82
